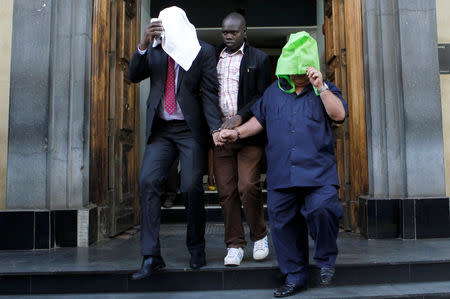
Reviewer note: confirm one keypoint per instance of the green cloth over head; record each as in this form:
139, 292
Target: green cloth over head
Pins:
299, 53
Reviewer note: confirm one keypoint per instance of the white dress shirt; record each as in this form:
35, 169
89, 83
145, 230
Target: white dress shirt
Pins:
162, 113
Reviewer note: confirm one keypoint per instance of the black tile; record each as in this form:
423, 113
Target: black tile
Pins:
430, 272
78, 283
66, 228
362, 220
178, 281
371, 274
432, 218
93, 225
387, 213
252, 279
370, 224
17, 230
42, 230
407, 219
14, 285
52, 229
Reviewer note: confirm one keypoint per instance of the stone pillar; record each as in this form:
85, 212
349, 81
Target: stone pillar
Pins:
6, 17
28, 113
50, 99
69, 102
404, 122
48, 154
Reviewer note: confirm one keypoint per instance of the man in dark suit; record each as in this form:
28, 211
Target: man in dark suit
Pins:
180, 108
244, 73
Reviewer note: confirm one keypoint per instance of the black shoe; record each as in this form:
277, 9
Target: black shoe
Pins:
169, 201
288, 289
326, 275
197, 261
150, 265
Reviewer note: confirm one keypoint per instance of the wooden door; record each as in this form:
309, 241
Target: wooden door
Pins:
115, 115
343, 55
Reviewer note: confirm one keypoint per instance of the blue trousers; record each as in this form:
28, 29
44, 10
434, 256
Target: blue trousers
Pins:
294, 211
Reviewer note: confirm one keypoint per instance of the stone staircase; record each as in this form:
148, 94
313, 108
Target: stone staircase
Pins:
390, 268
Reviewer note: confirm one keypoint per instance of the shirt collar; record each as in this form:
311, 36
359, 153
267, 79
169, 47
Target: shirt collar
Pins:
225, 54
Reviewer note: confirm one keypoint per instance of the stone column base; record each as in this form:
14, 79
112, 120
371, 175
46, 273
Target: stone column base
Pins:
44, 229
406, 218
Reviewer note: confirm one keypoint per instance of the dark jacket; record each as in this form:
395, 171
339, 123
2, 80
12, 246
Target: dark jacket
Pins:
255, 76
197, 89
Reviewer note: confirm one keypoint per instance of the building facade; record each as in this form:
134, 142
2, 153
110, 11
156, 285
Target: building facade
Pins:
70, 133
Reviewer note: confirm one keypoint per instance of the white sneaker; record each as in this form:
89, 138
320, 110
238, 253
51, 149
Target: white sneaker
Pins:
261, 249
234, 257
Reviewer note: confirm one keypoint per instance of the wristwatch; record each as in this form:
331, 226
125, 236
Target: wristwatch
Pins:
324, 87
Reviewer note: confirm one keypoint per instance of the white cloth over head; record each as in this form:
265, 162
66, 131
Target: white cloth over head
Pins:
180, 38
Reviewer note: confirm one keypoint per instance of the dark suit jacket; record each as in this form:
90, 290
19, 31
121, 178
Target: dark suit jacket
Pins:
197, 89
255, 75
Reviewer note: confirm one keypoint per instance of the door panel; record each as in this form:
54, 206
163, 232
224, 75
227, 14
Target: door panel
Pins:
343, 39
114, 115
337, 73
125, 117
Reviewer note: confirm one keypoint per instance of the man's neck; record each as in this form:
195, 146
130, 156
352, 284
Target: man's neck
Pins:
231, 51
299, 88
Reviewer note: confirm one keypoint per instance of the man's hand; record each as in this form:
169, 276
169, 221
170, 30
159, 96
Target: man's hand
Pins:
217, 139
228, 136
315, 77
232, 122
152, 30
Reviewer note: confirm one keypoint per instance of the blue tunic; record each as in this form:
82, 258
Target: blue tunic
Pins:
300, 148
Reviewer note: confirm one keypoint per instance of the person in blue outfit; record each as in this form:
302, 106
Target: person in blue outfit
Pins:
297, 112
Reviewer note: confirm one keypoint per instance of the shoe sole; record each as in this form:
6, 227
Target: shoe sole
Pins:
231, 264
260, 258
156, 269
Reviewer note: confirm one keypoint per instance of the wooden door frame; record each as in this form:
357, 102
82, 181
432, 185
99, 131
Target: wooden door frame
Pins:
347, 23
100, 103
100, 124
357, 105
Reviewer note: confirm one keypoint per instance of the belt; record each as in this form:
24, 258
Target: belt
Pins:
171, 122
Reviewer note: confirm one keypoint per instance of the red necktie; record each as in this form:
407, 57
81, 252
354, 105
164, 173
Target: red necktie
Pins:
169, 99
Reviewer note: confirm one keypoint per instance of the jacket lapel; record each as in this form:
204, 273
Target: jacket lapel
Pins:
181, 72
164, 62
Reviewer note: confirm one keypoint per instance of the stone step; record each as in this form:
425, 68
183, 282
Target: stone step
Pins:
176, 213
428, 290
217, 278
107, 267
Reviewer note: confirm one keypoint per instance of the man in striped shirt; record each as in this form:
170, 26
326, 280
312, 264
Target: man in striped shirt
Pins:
244, 73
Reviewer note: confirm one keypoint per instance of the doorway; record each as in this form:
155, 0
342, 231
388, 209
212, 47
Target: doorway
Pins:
115, 121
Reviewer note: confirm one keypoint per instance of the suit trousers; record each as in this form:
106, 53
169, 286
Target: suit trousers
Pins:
294, 211
169, 140
237, 174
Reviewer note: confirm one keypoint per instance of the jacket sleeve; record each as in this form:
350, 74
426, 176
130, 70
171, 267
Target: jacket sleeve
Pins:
210, 86
139, 69
263, 80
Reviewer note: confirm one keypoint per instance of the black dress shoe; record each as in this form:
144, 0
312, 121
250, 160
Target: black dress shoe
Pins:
197, 261
150, 265
326, 275
288, 289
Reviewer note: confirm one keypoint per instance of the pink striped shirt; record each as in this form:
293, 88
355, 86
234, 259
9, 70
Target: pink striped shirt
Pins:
228, 75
